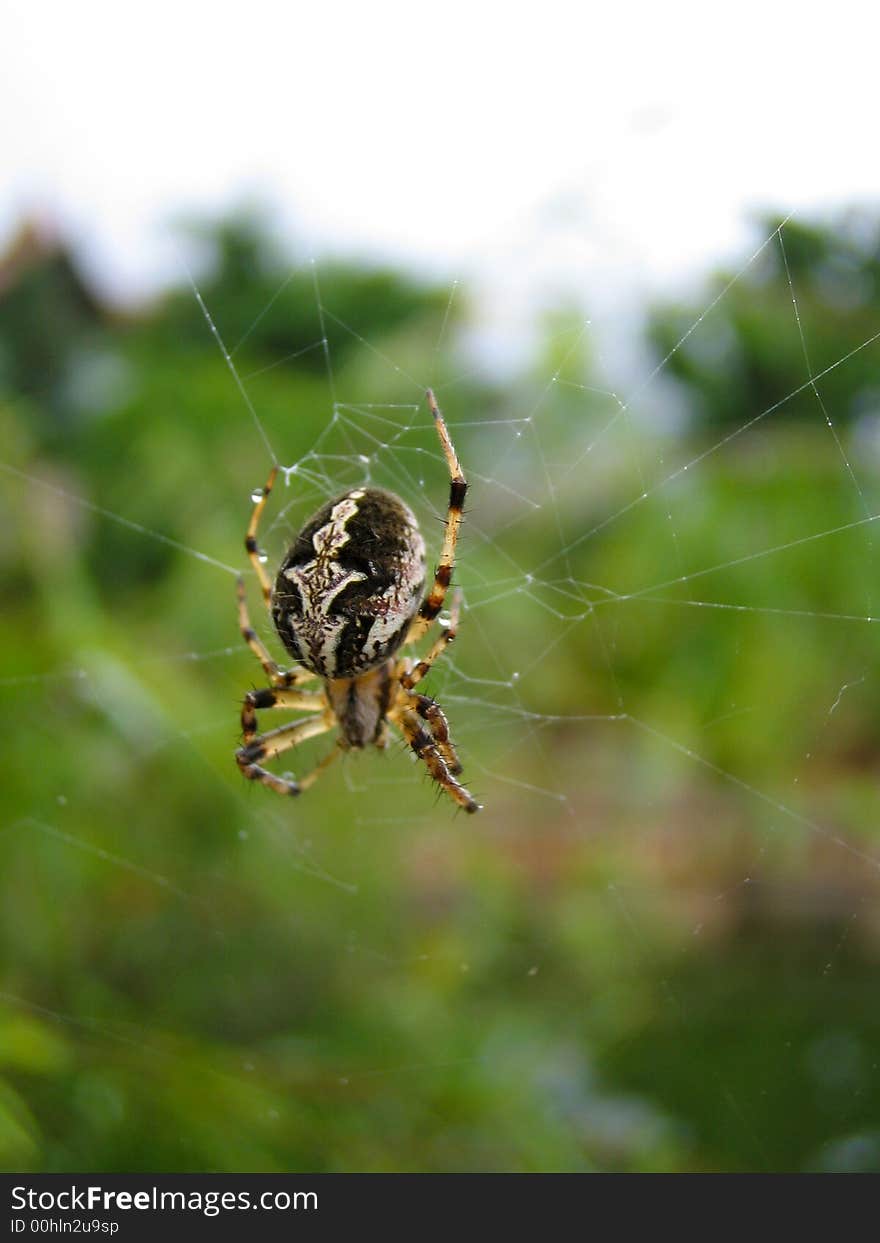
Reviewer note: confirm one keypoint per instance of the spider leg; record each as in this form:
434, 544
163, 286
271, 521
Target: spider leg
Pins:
433, 601
250, 542
276, 675
428, 709
266, 746
411, 678
428, 750
435, 718
313, 776
268, 697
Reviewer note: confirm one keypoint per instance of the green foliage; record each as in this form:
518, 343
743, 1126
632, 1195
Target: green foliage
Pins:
670, 967
748, 354
266, 309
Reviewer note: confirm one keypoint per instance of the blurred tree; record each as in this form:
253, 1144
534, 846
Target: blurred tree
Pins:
267, 305
105, 393
51, 322
748, 354
61, 346
673, 966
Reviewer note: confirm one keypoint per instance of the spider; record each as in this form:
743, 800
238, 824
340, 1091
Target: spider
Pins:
347, 596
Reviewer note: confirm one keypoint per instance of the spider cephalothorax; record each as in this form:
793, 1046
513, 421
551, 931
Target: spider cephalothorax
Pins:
347, 597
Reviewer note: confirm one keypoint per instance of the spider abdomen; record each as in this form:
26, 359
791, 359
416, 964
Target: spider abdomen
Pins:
350, 584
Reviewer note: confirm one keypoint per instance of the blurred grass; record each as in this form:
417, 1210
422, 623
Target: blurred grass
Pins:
655, 949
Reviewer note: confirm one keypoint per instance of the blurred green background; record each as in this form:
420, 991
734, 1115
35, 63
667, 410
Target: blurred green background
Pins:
657, 947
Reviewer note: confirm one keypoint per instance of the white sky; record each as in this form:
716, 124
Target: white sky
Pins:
600, 148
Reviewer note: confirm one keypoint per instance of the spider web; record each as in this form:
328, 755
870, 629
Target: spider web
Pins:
580, 533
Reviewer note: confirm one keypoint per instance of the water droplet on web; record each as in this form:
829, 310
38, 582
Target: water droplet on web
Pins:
514, 677
362, 457
257, 495
262, 557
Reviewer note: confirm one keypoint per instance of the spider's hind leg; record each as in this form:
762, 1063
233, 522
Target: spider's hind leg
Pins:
411, 677
277, 676
250, 540
433, 601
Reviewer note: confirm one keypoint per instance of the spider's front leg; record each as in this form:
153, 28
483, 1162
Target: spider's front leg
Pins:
435, 719
264, 747
268, 697
428, 750
426, 707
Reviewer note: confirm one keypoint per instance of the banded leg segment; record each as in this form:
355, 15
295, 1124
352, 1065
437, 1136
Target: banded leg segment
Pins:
428, 751
250, 541
435, 718
267, 746
433, 601
424, 666
276, 675
259, 700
